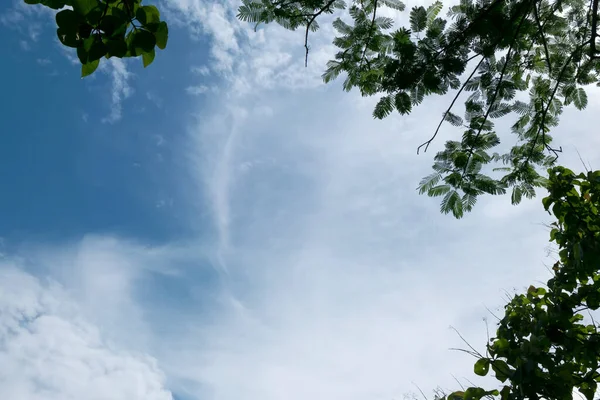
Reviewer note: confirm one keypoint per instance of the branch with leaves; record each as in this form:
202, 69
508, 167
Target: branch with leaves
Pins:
108, 28
541, 48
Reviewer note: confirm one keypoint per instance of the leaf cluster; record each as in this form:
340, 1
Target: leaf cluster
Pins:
491, 53
108, 28
544, 348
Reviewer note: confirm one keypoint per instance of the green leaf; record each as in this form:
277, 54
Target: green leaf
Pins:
439, 190
83, 50
148, 57
113, 26
116, 48
418, 19
67, 22
474, 393
141, 41
482, 366
148, 15
580, 99
89, 68
94, 16
502, 370
403, 103
433, 11
162, 35
516, 196
54, 4
83, 7
383, 108
68, 39
33, 1
97, 50
454, 119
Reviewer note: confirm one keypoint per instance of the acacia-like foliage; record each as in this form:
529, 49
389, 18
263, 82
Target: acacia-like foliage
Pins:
547, 344
501, 51
108, 28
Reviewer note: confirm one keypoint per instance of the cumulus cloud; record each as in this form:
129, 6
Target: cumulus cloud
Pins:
49, 350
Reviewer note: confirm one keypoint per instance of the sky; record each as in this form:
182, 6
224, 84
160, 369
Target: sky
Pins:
222, 225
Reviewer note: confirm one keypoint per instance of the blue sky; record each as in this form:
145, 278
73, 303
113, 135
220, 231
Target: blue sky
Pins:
223, 226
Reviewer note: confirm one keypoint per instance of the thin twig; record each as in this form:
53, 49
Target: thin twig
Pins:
594, 28
419, 389
310, 22
493, 100
545, 113
428, 142
464, 340
544, 43
362, 58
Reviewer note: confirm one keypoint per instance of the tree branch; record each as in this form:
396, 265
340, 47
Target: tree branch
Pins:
544, 43
310, 22
428, 142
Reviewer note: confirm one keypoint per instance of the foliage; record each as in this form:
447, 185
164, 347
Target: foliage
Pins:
108, 28
499, 50
544, 348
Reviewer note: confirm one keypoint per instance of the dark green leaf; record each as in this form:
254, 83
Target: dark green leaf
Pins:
482, 366
141, 41
148, 57
116, 48
418, 19
403, 103
54, 4
89, 68
162, 35
83, 7
97, 50
148, 15
67, 22
580, 99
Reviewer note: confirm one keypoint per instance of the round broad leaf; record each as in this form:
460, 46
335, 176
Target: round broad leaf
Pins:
83, 50
162, 35
85, 30
148, 57
54, 4
83, 7
33, 1
474, 393
89, 68
97, 51
67, 21
482, 366
502, 370
94, 16
111, 24
148, 15
67, 38
118, 13
116, 48
141, 41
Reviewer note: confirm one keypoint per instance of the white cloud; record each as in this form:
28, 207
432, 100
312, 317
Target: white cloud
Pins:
155, 98
201, 70
333, 278
121, 88
48, 349
197, 90
340, 280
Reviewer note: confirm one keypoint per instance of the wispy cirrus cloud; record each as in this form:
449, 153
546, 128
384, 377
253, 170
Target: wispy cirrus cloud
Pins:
120, 87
